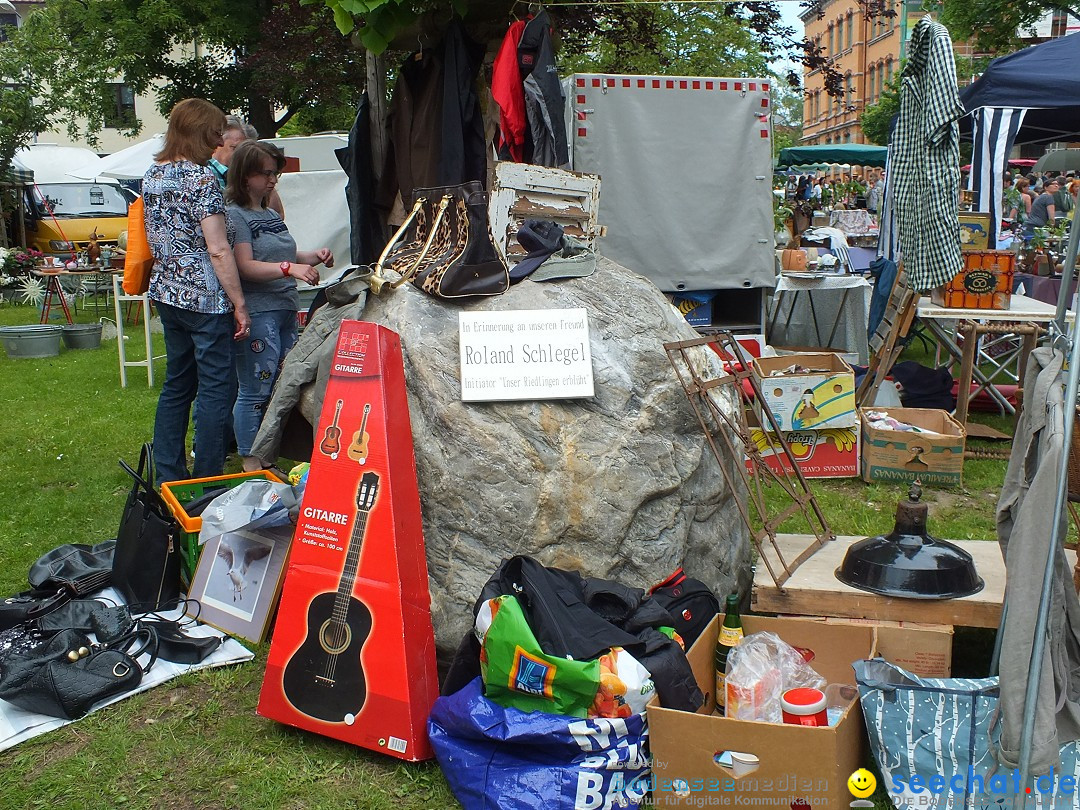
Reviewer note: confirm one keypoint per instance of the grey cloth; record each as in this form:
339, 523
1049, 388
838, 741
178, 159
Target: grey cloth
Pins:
1039, 215
574, 260
1024, 516
270, 241
309, 362
924, 160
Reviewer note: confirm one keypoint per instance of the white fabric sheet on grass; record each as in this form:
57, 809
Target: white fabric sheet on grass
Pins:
18, 725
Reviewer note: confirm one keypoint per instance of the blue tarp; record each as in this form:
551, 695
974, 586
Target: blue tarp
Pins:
1044, 79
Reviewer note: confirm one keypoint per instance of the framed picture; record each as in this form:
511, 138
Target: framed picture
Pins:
975, 231
238, 580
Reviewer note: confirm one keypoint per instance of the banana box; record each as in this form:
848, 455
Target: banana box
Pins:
827, 453
809, 391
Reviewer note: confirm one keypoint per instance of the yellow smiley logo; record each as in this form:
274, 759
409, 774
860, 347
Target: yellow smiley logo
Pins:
862, 783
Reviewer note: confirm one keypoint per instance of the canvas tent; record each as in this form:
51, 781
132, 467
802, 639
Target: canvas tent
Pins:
1031, 96
855, 154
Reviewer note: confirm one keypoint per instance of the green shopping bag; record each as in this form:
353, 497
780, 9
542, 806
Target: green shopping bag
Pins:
518, 674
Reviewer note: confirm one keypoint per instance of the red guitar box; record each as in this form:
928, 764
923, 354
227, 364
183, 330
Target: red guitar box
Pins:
353, 653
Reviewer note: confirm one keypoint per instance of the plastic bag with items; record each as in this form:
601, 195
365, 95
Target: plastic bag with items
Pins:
759, 670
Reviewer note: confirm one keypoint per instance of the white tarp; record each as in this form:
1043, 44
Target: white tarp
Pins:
317, 213
18, 725
686, 166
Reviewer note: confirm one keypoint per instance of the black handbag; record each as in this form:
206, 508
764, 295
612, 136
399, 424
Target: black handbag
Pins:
146, 563
66, 675
76, 567
30, 605
444, 246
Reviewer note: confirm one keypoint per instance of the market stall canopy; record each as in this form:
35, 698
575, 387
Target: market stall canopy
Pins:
17, 174
53, 163
1042, 80
856, 154
129, 163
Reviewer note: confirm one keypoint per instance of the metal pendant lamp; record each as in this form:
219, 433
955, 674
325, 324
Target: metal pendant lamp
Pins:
909, 562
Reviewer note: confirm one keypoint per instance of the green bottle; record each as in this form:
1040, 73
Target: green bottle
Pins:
730, 635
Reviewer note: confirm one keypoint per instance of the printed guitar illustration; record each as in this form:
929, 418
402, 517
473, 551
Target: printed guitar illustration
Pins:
331, 440
358, 450
324, 678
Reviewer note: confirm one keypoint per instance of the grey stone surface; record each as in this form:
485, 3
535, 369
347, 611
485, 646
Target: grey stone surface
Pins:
622, 486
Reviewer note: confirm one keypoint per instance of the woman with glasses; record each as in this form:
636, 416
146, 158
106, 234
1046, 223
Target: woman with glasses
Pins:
269, 263
195, 289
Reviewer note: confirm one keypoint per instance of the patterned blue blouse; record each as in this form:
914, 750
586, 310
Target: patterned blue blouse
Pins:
178, 197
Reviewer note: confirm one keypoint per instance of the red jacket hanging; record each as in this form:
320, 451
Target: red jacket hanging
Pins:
508, 91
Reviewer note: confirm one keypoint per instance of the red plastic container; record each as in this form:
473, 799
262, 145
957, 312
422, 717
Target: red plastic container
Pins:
804, 707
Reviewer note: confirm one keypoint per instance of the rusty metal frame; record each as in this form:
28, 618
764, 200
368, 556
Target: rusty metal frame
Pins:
707, 398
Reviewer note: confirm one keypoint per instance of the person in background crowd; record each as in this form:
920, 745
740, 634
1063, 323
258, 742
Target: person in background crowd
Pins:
1074, 191
1042, 210
802, 191
196, 289
269, 263
873, 196
817, 191
1010, 198
1026, 199
1063, 201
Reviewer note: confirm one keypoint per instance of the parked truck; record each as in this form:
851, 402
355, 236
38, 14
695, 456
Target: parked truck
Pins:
62, 211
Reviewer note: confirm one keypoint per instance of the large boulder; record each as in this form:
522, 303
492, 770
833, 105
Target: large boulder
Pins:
621, 486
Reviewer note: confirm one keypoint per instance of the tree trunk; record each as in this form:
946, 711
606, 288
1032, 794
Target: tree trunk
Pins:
261, 116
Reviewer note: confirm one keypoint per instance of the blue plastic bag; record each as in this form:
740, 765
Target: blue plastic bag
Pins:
495, 757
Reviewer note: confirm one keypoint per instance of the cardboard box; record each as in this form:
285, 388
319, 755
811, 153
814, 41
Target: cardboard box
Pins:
974, 231
811, 400
829, 453
984, 282
696, 307
799, 764
900, 457
353, 653
923, 649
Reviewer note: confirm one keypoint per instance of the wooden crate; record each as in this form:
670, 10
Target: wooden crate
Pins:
985, 282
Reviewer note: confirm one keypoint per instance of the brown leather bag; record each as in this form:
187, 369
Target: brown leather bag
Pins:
445, 247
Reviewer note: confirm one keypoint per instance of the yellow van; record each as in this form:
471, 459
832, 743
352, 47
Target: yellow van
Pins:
61, 216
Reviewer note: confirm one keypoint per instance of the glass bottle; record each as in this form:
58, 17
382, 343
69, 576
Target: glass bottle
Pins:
731, 633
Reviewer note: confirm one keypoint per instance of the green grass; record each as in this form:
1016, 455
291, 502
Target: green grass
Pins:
196, 742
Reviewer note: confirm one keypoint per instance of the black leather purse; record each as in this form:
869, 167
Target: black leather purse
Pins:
79, 568
146, 563
29, 606
66, 675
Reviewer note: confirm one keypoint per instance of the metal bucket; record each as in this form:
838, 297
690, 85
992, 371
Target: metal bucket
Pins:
31, 341
82, 336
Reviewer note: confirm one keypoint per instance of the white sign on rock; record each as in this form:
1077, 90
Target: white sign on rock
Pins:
525, 354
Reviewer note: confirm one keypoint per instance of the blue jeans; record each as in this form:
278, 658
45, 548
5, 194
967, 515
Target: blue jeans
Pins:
198, 349
258, 360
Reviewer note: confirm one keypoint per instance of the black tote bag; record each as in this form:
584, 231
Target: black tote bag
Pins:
146, 563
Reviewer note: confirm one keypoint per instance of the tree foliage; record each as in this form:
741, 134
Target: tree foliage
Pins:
996, 26
265, 58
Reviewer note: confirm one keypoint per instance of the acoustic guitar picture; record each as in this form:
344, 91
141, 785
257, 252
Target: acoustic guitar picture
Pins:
331, 440
324, 678
358, 449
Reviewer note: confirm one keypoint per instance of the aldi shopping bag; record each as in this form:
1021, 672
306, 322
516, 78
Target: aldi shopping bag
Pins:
492, 756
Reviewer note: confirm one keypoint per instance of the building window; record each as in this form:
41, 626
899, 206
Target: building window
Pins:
8, 19
851, 30
870, 85
119, 105
832, 42
850, 89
